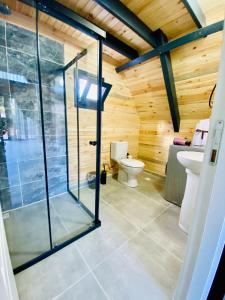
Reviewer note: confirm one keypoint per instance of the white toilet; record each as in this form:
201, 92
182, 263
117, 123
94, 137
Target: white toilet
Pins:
128, 168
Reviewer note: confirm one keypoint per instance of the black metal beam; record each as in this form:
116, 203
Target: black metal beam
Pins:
75, 59
169, 81
121, 12
66, 15
196, 12
120, 46
198, 34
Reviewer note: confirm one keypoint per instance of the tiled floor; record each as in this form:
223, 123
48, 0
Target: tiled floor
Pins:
136, 254
27, 227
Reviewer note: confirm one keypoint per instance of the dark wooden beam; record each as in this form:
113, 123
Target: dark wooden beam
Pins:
196, 12
69, 17
169, 81
198, 34
121, 12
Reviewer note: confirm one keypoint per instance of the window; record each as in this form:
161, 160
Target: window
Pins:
87, 90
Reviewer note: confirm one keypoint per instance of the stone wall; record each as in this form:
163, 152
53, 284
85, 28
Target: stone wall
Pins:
22, 178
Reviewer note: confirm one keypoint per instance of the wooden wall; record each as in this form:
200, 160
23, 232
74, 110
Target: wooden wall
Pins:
195, 67
137, 107
120, 119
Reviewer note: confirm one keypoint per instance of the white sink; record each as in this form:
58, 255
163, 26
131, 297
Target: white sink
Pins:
191, 160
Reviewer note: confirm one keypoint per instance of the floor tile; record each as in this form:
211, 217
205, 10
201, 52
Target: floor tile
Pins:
124, 280
71, 214
152, 186
135, 254
28, 232
166, 232
155, 260
87, 288
139, 270
51, 276
111, 186
100, 243
87, 197
136, 207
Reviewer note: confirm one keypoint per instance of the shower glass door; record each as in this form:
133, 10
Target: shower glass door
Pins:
49, 134
81, 100
69, 125
23, 193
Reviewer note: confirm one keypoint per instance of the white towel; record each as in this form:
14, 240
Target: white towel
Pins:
201, 133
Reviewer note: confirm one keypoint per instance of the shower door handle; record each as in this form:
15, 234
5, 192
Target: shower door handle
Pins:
93, 143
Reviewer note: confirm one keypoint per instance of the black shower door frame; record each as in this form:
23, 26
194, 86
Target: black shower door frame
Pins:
81, 24
75, 61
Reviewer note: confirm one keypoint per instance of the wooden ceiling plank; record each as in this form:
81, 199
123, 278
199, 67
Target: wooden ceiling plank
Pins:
126, 16
196, 12
200, 33
61, 12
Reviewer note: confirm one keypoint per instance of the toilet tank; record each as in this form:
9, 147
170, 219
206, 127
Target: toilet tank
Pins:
119, 150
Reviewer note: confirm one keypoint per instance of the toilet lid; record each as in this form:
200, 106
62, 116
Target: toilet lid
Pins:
132, 163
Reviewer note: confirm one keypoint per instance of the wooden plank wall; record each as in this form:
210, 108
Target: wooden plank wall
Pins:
195, 68
137, 107
120, 118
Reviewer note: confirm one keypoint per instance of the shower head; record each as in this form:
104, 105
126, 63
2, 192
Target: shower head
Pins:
5, 9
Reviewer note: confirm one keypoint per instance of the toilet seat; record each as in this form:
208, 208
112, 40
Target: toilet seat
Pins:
134, 163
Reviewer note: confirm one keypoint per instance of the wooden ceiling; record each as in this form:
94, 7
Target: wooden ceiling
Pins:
170, 16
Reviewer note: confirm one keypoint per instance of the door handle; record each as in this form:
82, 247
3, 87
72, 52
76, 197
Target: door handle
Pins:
93, 143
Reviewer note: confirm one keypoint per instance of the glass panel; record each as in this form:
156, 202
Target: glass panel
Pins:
93, 92
62, 122
44, 136
82, 85
52, 63
22, 176
87, 129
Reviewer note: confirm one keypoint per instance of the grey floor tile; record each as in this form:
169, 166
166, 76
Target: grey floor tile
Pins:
166, 232
87, 288
139, 270
128, 263
27, 227
113, 218
155, 180
87, 197
136, 207
27, 232
72, 216
111, 186
152, 186
51, 276
122, 279
163, 267
153, 194
100, 243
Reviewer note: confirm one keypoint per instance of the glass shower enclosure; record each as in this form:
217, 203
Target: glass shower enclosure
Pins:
50, 136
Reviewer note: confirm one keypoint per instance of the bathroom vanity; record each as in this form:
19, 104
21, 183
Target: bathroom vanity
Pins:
175, 174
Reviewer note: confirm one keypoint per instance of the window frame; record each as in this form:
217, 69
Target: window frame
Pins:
83, 101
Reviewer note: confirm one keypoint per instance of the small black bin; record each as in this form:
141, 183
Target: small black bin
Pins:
91, 178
